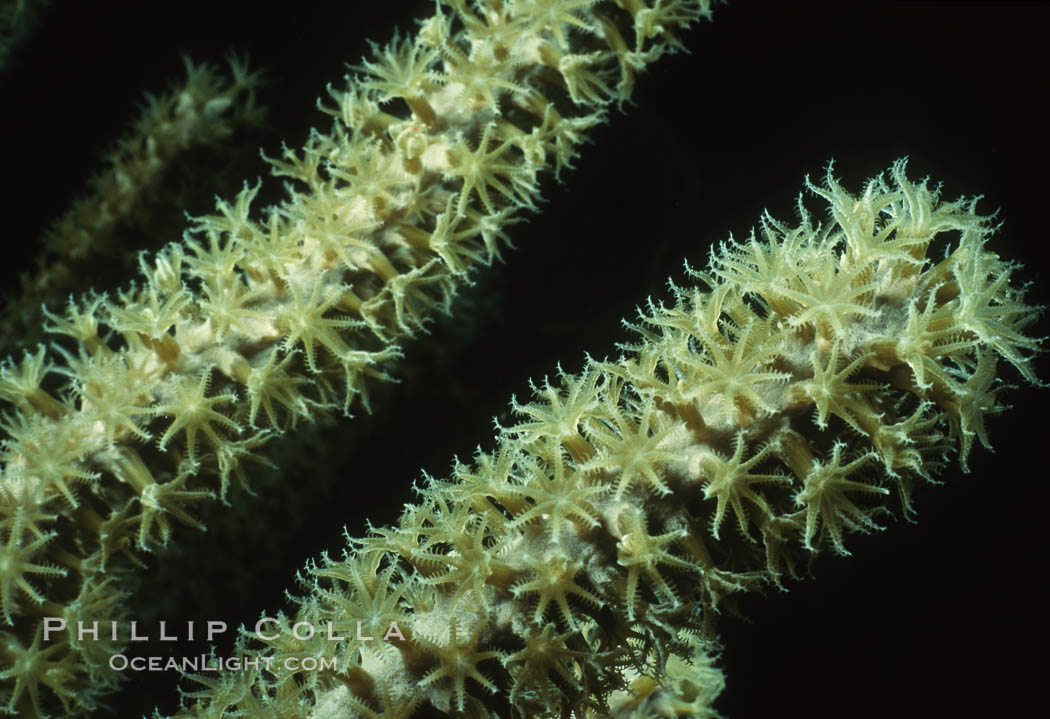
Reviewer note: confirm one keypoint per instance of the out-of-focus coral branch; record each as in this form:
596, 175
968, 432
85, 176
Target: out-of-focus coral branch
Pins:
201, 111
18, 18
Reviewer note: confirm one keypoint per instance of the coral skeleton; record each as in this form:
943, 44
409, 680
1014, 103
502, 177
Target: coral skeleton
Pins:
811, 372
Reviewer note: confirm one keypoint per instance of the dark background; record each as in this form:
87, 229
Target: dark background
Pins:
943, 616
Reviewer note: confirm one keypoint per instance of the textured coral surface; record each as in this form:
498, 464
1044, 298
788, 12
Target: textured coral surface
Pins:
919, 611
258, 321
769, 409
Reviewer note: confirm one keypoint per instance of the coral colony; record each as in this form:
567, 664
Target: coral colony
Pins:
805, 376
809, 373
153, 399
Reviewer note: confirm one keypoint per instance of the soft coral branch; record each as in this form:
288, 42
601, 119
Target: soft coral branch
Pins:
638, 570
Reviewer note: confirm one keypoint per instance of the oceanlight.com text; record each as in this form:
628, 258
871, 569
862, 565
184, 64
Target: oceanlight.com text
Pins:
206, 663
